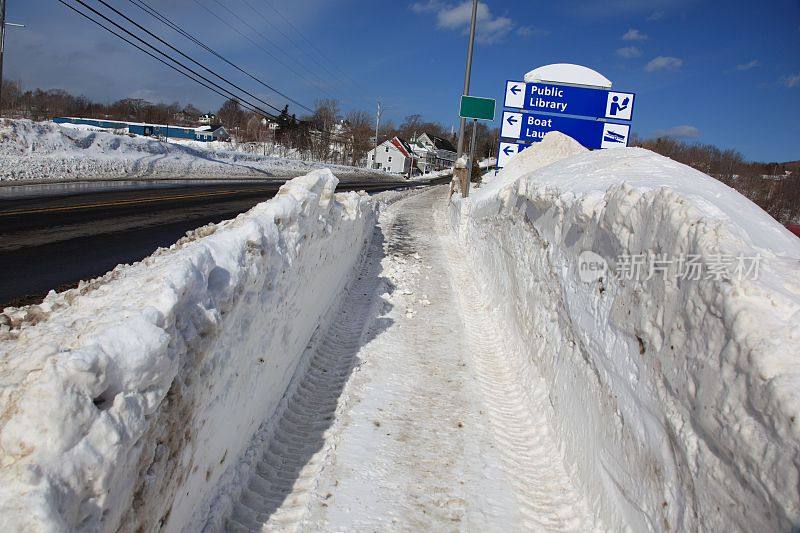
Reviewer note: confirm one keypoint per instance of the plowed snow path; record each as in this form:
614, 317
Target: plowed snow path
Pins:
410, 416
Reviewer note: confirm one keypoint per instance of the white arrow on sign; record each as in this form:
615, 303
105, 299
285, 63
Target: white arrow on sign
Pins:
506, 152
512, 125
515, 94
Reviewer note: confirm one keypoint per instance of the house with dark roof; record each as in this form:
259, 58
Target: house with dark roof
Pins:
395, 156
213, 132
442, 150
209, 119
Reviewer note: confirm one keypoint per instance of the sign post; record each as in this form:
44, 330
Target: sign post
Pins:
477, 109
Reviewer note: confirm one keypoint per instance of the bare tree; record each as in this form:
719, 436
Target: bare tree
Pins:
361, 131
232, 115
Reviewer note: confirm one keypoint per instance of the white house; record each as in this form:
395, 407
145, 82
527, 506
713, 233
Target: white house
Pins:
341, 139
394, 156
213, 133
443, 150
209, 119
425, 157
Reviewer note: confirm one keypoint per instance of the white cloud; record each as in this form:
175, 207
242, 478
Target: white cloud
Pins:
793, 80
490, 29
678, 132
459, 16
664, 63
747, 66
427, 7
530, 31
634, 35
621, 9
629, 52
658, 15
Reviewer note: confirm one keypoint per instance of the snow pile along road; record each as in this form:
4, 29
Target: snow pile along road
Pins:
47, 151
675, 399
135, 401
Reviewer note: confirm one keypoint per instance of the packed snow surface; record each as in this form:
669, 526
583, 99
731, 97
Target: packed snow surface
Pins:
409, 418
52, 152
675, 399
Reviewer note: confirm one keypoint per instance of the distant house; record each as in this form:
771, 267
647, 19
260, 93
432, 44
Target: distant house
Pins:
209, 119
443, 152
216, 132
203, 133
340, 139
425, 157
395, 156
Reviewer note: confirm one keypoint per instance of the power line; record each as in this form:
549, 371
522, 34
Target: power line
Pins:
254, 43
173, 67
165, 43
274, 43
141, 4
310, 43
188, 71
278, 29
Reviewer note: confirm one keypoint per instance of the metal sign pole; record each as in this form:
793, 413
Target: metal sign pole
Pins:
468, 74
377, 128
471, 156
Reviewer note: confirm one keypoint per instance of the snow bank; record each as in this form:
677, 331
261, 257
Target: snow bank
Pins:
49, 151
125, 402
677, 401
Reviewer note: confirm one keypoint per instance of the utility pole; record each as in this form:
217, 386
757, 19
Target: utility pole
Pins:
3, 25
2, 46
468, 74
377, 127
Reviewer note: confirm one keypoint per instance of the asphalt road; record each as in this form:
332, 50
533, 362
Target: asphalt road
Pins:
52, 239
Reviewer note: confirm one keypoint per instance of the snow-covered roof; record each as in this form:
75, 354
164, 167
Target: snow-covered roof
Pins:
210, 128
568, 73
403, 145
127, 123
440, 143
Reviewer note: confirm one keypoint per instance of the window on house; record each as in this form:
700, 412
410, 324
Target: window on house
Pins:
390, 159
387, 149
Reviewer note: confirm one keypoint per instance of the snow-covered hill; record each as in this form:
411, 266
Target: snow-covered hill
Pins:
676, 398
50, 152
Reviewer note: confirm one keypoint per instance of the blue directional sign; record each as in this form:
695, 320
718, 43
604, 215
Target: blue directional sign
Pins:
506, 150
532, 127
569, 100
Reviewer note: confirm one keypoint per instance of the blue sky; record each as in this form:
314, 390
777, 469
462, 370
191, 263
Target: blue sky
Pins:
722, 72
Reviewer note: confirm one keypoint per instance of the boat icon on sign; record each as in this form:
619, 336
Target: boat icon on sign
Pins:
613, 137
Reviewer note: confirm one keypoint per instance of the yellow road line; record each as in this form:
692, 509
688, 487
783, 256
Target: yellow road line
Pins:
118, 203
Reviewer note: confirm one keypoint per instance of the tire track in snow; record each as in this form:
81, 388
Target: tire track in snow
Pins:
530, 456
280, 490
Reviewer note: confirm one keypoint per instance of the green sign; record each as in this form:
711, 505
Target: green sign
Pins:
478, 108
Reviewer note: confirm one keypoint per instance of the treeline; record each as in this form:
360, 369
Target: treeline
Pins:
775, 187
328, 134
39, 104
